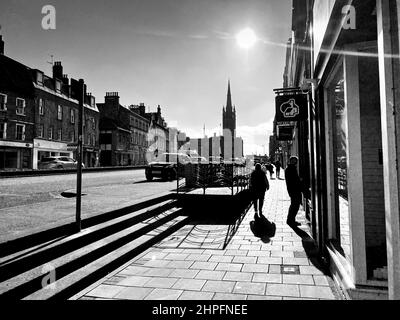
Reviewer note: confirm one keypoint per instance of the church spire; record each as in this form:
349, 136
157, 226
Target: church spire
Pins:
229, 98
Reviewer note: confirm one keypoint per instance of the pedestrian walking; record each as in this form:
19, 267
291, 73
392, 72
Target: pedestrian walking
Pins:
295, 189
258, 185
270, 169
278, 167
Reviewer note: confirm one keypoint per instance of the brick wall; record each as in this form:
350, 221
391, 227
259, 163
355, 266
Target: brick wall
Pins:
372, 168
90, 128
50, 117
11, 118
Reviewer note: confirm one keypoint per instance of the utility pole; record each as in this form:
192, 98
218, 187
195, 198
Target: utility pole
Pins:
81, 97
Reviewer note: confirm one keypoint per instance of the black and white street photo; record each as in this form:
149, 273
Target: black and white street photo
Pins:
204, 156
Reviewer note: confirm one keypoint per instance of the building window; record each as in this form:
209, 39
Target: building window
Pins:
20, 103
58, 86
72, 136
93, 124
39, 78
50, 133
59, 135
40, 131
338, 117
3, 130
59, 112
20, 132
41, 109
3, 102
72, 116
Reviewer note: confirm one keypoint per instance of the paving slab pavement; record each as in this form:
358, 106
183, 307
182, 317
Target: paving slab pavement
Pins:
202, 262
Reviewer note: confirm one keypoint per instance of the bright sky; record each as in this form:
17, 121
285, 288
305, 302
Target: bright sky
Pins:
175, 53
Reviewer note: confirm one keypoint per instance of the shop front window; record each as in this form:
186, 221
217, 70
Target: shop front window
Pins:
340, 160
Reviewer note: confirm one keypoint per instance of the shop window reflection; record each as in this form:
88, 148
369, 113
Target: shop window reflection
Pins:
340, 158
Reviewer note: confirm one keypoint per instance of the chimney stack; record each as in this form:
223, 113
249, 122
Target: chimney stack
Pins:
65, 79
112, 99
1, 45
142, 109
57, 70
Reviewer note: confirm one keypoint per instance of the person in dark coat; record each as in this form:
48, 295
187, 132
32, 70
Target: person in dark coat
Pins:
278, 167
258, 185
295, 188
270, 169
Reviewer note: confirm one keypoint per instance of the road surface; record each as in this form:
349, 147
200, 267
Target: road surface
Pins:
29, 190
32, 204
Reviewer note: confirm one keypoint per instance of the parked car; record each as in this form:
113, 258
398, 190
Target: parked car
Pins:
165, 166
58, 163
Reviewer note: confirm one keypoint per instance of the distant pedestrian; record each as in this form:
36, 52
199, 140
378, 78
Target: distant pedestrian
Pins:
295, 188
258, 185
270, 169
278, 167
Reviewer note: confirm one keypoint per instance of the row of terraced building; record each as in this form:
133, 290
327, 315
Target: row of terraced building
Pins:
39, 118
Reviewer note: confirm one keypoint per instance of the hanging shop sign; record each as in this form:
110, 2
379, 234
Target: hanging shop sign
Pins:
285, 133
291, 107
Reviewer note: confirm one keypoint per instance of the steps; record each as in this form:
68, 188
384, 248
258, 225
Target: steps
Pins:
40, 238
74, 262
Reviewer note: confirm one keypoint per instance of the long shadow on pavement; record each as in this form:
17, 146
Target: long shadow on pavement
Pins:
262, 228
214, 221
311, 250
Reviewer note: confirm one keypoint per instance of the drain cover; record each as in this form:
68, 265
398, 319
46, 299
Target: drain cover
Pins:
290, 269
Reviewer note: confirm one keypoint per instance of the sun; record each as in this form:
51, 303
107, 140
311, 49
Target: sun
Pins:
246, 38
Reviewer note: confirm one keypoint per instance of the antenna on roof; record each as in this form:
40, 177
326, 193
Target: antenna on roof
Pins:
52, 60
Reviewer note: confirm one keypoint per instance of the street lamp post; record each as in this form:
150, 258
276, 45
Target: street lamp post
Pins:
81, 97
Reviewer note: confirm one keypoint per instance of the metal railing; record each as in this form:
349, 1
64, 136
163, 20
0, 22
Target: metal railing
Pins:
205, 176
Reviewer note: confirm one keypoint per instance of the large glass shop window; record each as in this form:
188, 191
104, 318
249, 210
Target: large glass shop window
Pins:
340, 158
